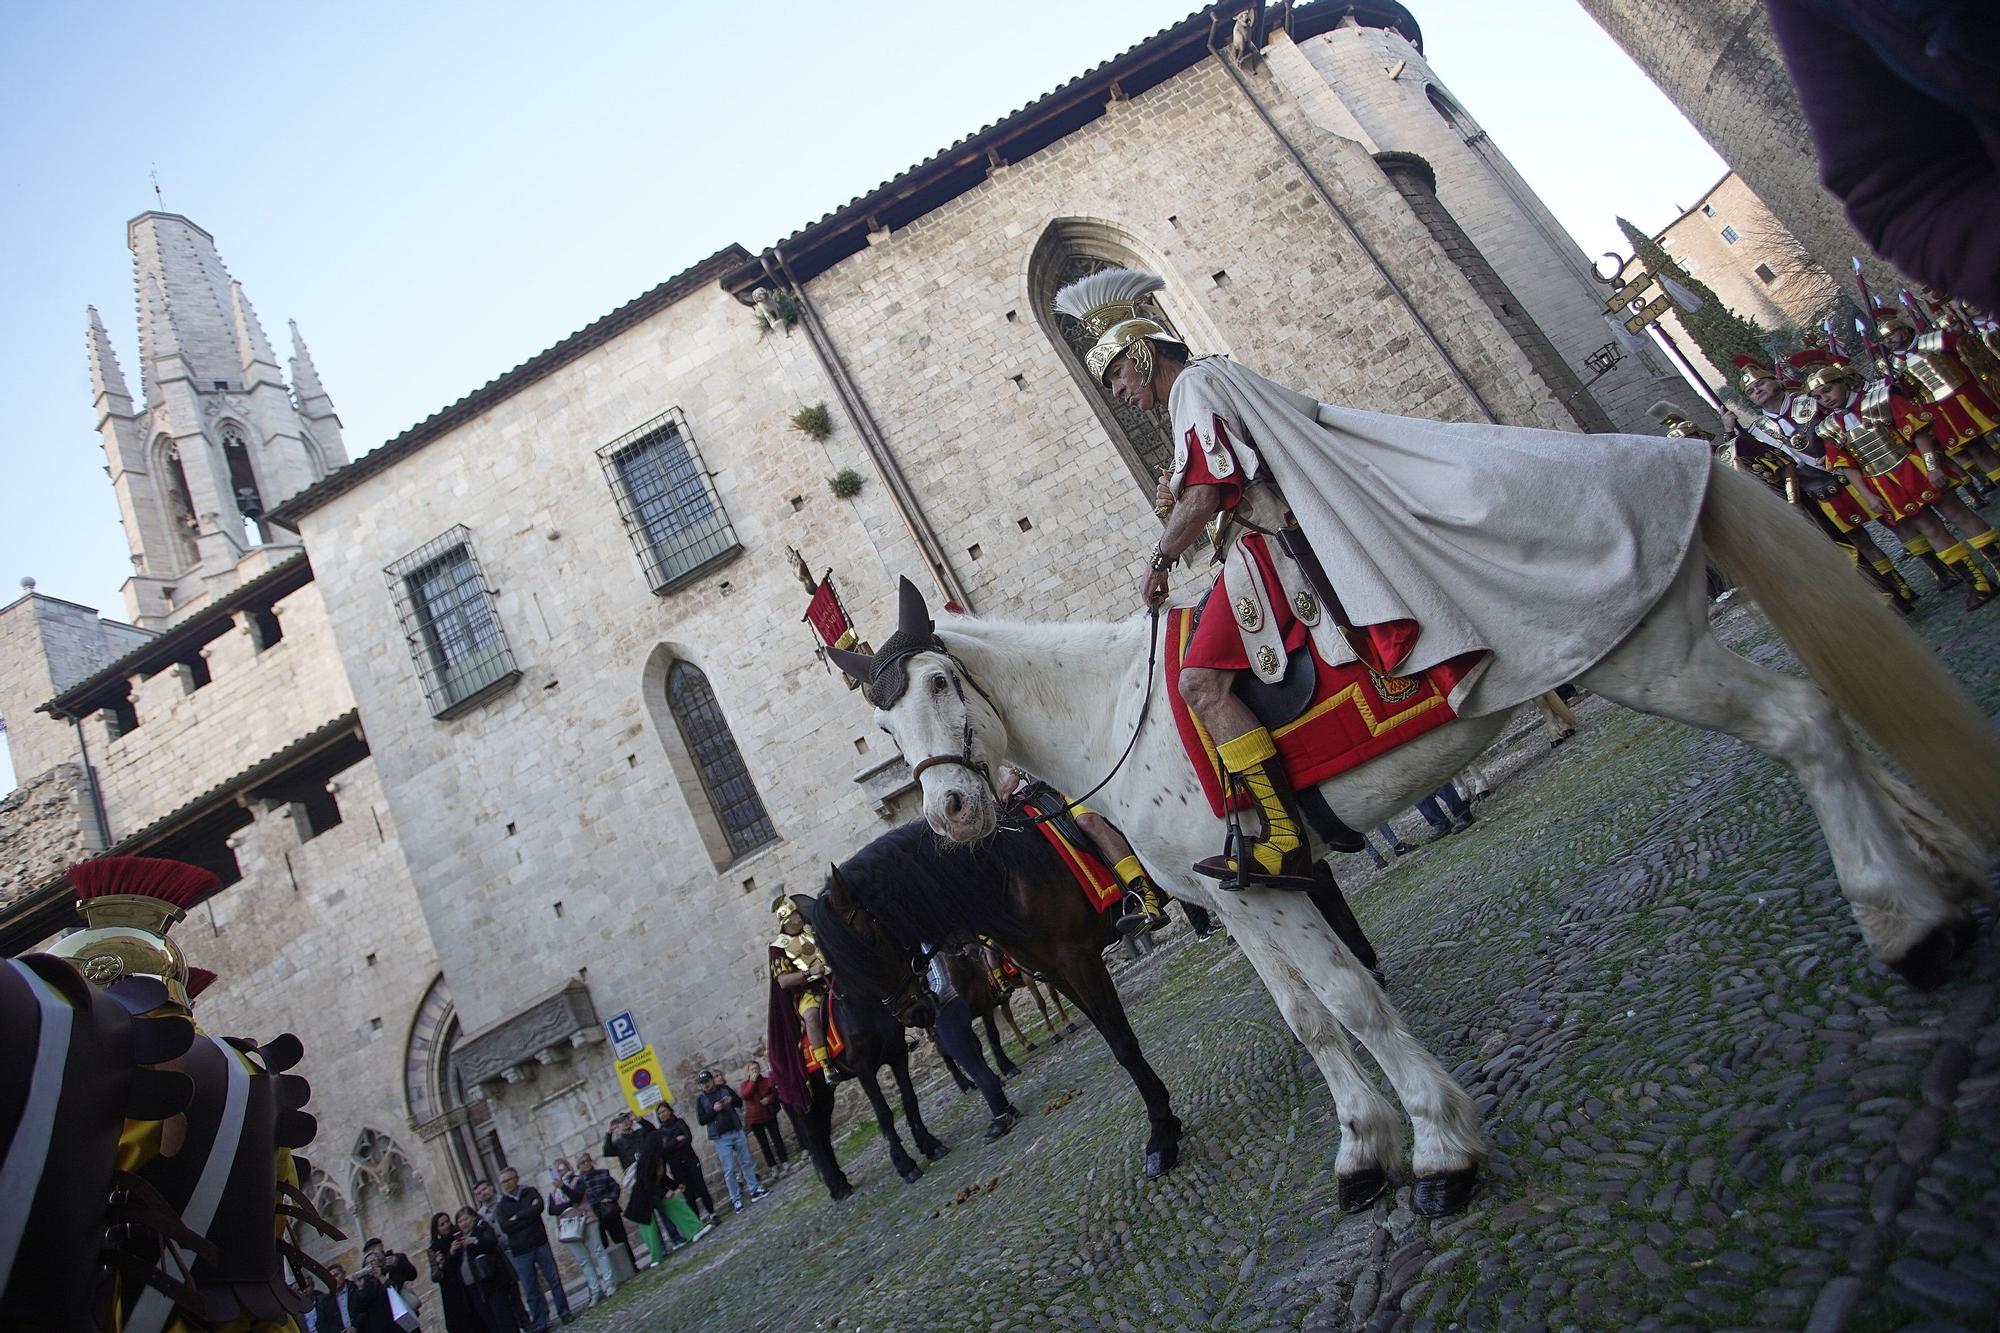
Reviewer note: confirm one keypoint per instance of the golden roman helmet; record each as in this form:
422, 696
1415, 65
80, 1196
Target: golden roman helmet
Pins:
1832, 372
1888, 319
784, 908
1107, 304
128, 904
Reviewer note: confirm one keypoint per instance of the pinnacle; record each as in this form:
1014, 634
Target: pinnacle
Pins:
254, 347
305, 378
106, 379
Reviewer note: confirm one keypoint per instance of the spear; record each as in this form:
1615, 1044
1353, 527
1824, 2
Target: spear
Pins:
1914, 311
1864, 324
1832, 338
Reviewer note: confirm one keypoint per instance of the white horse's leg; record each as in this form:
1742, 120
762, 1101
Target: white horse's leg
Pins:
1369, 1141
1905, 872
1447, 1127
1447, 1145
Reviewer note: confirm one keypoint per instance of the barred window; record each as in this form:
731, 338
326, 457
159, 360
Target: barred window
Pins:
724, 779
669, 505
450, 623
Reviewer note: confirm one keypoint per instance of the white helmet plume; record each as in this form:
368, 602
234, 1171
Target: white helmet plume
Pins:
1104, 298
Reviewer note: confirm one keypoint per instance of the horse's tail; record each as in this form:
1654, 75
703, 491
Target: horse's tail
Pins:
1877, 670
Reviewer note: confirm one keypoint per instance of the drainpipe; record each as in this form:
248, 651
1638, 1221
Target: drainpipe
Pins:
103, 829
871, 435
1346, 224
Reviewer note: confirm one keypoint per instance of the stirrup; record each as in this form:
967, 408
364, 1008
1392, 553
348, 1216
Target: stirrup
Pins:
1237, 870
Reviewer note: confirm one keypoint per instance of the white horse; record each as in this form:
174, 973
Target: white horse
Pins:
1062, 701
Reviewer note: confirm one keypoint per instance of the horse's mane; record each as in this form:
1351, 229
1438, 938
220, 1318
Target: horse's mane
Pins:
922, 891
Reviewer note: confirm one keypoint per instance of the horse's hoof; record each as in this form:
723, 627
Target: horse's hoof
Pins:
914, 1174
1928, 961
1964, 934
1162, 1160
1362, 1188
935, 1151
1445, 1193
840, 1191
1008, 1071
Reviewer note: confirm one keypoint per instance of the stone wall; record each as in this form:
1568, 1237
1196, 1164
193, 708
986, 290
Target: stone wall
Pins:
1719, 63
46, 646
42, 825
255, 704
1402, 105
323, 937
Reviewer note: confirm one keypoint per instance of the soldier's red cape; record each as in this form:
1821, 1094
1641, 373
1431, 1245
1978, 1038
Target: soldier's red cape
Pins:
783, 1032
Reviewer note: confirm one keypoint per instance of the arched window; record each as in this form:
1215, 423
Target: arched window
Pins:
724, 779
182, 525
1072, 248
243, 485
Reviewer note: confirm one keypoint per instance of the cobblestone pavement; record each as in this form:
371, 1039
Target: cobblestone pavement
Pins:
1708, 1107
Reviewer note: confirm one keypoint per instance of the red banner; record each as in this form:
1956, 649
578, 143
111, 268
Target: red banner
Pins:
827, 618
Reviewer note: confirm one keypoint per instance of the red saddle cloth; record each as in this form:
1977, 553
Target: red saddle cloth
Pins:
1100, 887
835, 1043
1356, 714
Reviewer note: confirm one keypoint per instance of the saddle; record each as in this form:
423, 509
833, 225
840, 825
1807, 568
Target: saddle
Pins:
1274, 702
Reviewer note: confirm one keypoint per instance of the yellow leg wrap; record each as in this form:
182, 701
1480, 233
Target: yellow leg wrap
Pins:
1853, 556
1916, 546
1983, 540
824, 1056
1248, 756
1128, 870
1958, 555
1993, 475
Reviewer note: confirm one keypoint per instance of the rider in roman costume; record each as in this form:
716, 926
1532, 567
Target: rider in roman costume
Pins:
1859, 427
1964, 413
801, 971
1399, 543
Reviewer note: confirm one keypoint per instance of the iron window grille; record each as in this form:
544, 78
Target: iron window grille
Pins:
668, 501
725, 779
451, 624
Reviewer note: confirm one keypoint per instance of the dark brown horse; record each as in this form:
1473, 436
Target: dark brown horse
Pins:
904, 895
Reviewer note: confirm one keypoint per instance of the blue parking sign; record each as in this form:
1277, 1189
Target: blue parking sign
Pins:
624, 1033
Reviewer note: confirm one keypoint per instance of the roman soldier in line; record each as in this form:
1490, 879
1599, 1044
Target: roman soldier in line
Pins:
1965, 415
1142, 908
802, 973
1841, 510
1800, 482
1859, 427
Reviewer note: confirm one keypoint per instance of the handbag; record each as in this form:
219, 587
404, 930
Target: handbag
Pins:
484, 1268
569, 1228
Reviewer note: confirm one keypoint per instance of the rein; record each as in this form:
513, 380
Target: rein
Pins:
963, 759
1145, 705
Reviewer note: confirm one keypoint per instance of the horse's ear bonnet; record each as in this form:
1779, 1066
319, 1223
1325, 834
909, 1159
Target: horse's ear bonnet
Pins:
884, 677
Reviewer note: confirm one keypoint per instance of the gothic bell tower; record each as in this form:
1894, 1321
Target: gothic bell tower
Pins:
218, 439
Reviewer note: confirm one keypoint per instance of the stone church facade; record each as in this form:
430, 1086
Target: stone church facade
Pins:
512, 724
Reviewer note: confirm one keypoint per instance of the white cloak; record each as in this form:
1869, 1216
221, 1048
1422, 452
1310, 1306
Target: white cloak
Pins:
1544, 548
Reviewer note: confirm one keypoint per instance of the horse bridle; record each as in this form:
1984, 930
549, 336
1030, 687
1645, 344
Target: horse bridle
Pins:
964, 758
918, 957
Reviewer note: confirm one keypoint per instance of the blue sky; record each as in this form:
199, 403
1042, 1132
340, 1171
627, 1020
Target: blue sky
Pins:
438, 191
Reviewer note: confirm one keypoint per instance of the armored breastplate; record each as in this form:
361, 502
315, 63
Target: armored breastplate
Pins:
1875, 447
1937, 372
801, 950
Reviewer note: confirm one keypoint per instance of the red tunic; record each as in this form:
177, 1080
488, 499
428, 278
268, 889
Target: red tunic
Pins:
1217, 643
1964, 415
1904, 490
1845, 511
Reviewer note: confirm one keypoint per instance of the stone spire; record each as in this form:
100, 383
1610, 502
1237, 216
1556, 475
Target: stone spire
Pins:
184, 292
251, 344
315, 407
107, 381
305, 377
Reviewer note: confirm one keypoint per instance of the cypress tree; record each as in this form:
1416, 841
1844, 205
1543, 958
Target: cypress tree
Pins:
1719, 331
